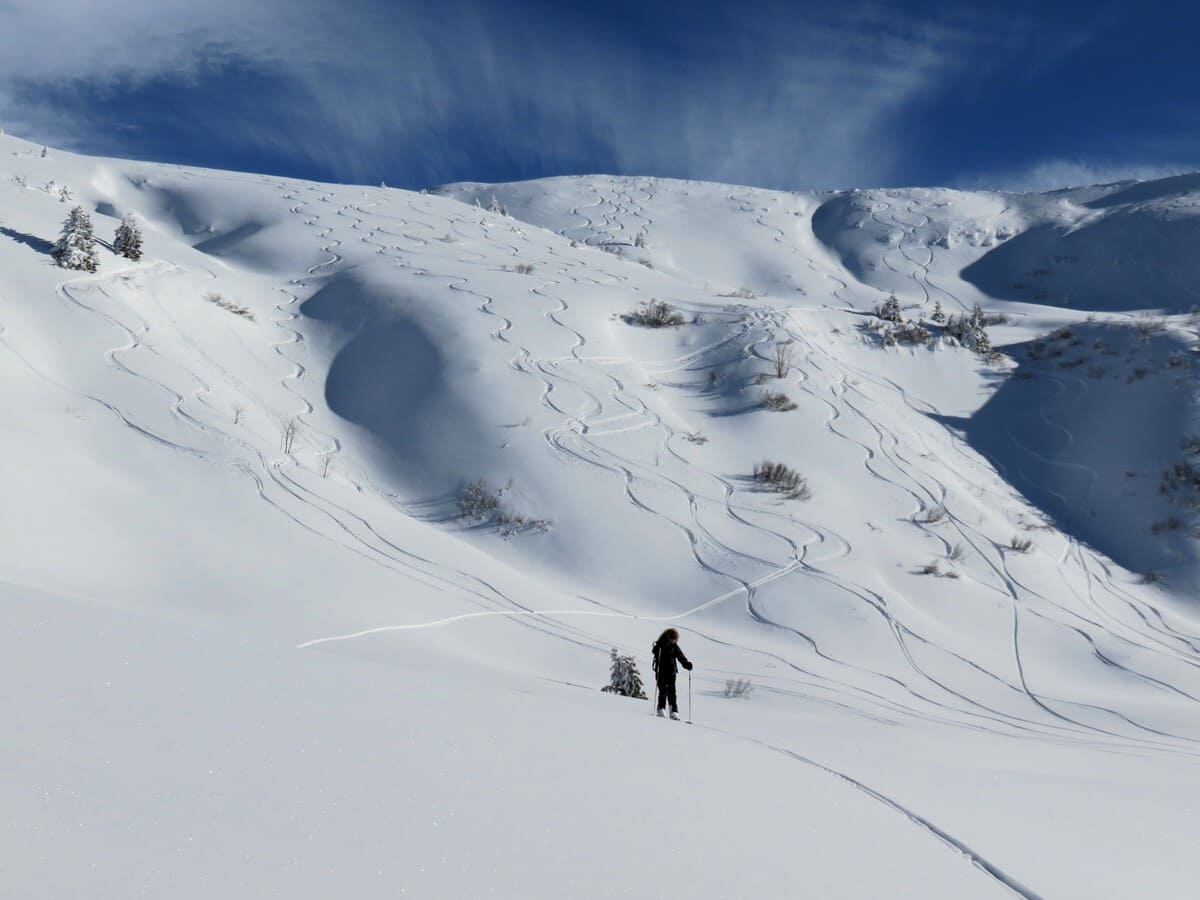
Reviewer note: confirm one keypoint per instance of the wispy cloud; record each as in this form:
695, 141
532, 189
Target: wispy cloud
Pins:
445, 90
1060, 173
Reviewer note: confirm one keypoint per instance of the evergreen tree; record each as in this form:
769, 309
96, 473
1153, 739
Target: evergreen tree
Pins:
128, 240
624, 678
939, 315
75, 247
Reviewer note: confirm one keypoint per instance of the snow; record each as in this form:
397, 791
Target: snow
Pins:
243, 670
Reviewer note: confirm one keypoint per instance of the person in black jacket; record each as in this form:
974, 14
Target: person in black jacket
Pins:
667, 659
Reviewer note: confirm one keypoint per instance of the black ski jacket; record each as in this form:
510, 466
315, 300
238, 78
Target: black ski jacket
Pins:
666, 656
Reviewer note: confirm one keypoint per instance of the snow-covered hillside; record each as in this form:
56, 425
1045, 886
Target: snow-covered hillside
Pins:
258, 651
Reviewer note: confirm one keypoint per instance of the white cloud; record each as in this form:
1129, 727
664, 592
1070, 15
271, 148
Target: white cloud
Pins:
780, 100
1061, 173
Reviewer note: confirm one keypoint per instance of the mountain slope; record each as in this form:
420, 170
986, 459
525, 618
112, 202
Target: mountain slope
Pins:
261, 511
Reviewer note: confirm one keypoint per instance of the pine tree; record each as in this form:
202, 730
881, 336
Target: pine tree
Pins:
939, 315
128, 240
75, 247
624, 678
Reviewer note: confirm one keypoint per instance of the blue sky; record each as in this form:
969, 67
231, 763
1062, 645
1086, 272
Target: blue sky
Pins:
784, 95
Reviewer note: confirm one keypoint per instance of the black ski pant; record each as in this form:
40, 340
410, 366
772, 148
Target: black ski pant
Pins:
666, 691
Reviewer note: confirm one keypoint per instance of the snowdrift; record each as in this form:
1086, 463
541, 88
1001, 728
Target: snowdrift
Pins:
261, 648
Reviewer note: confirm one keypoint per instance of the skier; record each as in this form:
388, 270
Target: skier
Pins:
667, 654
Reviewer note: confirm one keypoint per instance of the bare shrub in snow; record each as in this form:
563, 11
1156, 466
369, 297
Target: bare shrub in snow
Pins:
655, 314
777, 402
784, 353
237, 414
782, 479
933, 567
736, 688
288, 429
228, 305
1020, 544
957, 552
326, 460
1151, 578
523, 268
695, 437
1148, 326
624, 678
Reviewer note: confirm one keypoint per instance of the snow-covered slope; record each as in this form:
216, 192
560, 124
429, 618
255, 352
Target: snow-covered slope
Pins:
257, 650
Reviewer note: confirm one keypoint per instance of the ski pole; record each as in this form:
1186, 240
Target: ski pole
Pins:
655, 706
689, 696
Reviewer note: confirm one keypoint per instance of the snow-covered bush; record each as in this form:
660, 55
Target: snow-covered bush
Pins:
128, 240
939, 315
478, 502
76, 246
909, 334
624, 678
889, 310
655, 314
782, 479
777, 402
971, 331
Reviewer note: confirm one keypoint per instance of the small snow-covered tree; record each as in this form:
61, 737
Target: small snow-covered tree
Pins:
890, 310
128, 239
640, 240
624, 678
497, 207
75, 247
939, 314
